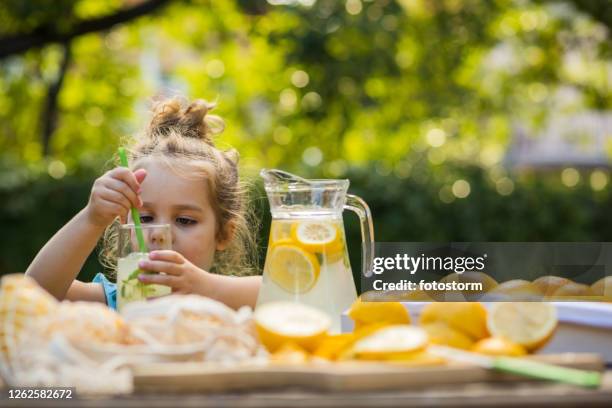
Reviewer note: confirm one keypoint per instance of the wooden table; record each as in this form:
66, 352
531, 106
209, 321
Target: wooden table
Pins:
475, 394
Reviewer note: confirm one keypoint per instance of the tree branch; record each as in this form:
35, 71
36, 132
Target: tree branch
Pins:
49, 118
48, 34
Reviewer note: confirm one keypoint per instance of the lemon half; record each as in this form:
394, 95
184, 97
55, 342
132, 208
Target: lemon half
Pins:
469, 318
549, 284
572, 290
389, 313
441, 333
279, 323
529, 324
516, 289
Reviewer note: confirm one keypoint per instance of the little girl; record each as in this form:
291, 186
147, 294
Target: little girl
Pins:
177, 177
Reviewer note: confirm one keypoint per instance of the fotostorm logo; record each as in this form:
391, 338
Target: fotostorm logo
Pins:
414, 264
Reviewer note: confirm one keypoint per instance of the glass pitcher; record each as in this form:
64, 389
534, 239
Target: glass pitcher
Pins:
307, 260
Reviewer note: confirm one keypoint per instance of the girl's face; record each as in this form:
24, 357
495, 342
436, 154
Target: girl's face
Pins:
184, 203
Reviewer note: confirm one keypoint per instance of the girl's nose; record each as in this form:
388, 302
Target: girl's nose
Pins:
158, 240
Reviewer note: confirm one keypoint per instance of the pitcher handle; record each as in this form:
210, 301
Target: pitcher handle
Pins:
357, 205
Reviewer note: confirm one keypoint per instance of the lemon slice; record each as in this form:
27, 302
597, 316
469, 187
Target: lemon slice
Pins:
572, 290
316, 236
280, 230
529, 324
549, 284
390, 313
279, 323
516, 289
499, 346
292, 268
391, 341
282, 241
441, 333
469, 318
290, 353
333, 345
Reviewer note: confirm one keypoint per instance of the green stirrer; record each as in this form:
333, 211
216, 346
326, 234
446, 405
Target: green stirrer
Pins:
135, 214
522, 366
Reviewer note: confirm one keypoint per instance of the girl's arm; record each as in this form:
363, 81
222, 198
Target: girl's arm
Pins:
58, 263
234, 291
184, 277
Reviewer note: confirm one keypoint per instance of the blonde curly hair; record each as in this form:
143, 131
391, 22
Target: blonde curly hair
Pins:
180, 135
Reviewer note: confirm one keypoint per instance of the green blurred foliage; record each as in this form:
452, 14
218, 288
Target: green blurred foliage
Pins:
36, 206
404, 97
354, 80
406, 205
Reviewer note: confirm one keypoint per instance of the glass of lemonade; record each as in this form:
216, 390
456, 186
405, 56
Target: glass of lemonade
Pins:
129, 288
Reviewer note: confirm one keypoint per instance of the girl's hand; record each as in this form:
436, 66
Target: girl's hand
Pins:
180, 274
113, 194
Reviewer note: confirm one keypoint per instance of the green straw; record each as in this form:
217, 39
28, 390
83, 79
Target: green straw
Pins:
135, 213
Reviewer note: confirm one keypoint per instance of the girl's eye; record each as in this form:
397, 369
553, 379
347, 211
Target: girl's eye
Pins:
146, 218
185, 221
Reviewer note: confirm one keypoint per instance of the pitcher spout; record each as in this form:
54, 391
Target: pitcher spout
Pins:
275, 177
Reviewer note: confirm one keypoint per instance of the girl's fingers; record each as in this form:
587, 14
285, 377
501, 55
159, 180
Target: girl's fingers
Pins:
115, 197
125, 190
167, 280
167, 255
124, 174
170, 268
140, 175
117, 209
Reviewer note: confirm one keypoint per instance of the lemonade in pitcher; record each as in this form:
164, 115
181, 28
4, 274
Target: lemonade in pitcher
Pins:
307, 260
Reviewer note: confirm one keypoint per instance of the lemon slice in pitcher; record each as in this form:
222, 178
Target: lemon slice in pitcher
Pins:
280, 230
323, 237
292, 268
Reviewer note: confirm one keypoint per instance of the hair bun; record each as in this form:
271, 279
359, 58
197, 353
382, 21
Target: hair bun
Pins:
170, 115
